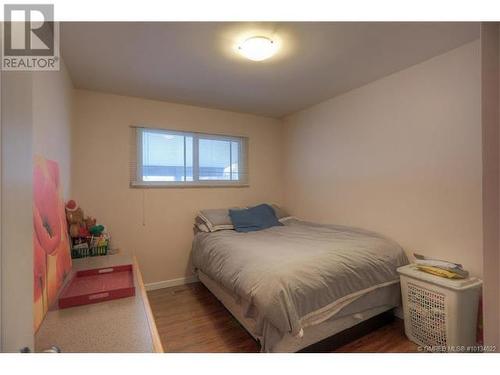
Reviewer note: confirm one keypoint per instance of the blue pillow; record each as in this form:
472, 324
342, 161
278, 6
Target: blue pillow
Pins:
254, 218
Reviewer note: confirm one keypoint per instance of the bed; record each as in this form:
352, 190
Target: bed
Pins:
293, 285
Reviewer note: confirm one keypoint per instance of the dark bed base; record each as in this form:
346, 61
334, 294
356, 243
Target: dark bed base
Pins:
359, 330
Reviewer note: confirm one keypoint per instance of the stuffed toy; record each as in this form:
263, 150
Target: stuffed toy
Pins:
75, 217
97, 230
90, 222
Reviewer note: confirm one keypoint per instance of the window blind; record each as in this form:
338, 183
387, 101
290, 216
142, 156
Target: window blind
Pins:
170, 158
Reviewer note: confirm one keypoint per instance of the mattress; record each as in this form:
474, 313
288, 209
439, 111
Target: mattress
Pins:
292, 278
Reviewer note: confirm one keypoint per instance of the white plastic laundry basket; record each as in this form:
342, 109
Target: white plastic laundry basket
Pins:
440, 314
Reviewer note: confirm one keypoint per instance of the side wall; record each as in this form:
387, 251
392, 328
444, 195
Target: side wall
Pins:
36, 119
401, 156
16, 217
156, 223
490, 50
52, 106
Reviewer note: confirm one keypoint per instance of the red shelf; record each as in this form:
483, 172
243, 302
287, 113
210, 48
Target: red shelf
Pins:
98, 285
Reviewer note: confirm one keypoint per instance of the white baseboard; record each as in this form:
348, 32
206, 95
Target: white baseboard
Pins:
169, 283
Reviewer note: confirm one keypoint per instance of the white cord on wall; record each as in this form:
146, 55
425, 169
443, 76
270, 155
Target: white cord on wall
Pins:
143, 207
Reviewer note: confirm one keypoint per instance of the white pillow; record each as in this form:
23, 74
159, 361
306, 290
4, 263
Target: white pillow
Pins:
216, 219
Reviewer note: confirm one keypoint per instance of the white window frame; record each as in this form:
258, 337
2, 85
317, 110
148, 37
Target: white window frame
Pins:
138, 181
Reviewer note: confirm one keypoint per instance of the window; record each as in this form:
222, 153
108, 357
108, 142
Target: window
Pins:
173, 158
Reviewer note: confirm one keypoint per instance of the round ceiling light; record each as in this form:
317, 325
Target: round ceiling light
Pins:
258, 48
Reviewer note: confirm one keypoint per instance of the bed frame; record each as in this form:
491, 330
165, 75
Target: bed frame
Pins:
320, 337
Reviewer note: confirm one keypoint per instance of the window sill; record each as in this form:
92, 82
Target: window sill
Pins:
186, 186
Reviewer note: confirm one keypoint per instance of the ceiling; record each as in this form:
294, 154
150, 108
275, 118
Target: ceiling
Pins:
195, 63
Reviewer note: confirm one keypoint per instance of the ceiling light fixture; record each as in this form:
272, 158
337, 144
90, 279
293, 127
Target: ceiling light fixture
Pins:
258, 48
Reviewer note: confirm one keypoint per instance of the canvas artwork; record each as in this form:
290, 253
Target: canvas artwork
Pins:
52, 259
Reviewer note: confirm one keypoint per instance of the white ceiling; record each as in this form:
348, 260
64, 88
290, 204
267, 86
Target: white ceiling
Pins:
195, 63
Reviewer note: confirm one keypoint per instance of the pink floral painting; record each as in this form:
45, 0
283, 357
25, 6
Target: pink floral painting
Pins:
51, 253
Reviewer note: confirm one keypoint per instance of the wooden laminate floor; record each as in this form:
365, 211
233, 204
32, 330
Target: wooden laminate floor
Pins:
190, 319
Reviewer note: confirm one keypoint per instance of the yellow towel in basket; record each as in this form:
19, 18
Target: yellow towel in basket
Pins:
439, 272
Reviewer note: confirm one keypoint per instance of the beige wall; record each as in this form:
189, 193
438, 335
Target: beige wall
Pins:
16, 217
401, 156
490, 50
52, 106
100, 176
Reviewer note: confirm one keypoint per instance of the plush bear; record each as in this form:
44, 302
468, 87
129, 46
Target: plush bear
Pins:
76, 222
